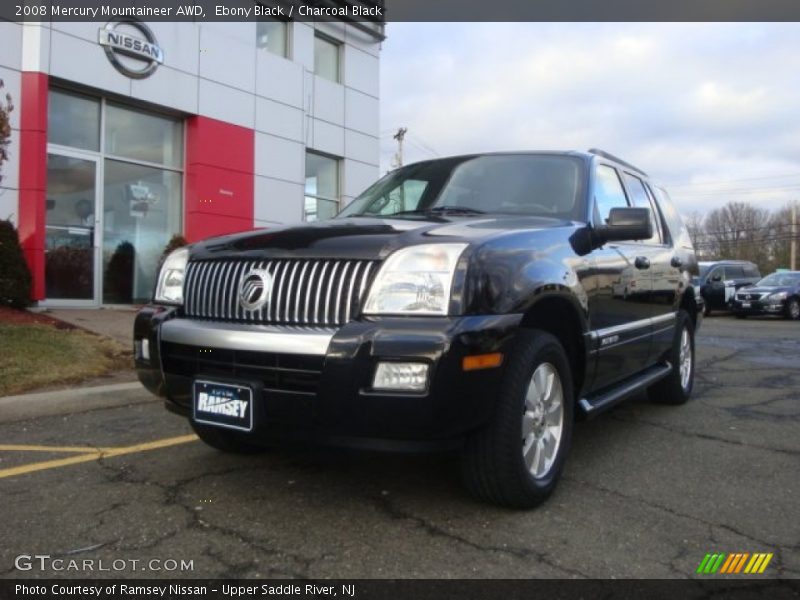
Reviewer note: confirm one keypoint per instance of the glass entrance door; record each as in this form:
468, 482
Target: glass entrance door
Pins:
71, 230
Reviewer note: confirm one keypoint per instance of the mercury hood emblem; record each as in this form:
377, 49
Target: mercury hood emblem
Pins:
255, 289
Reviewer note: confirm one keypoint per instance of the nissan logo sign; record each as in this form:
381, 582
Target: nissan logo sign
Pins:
136, 56
255, 289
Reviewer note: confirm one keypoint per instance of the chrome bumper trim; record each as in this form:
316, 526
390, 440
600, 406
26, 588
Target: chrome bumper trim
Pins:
253, 338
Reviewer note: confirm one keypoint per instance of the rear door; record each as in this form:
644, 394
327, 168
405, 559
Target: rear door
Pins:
661, 274
619, 313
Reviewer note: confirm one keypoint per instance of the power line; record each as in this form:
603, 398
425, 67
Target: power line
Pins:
703, 183
755, 190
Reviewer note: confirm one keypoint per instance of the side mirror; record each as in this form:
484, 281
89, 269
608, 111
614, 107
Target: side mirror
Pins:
625, 224
716, 278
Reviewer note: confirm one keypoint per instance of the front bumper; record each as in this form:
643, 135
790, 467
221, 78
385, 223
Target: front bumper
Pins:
758, 307
316, 384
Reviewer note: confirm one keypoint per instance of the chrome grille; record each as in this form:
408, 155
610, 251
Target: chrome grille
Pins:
304, 291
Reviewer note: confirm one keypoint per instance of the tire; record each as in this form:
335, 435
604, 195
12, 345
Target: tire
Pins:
494, 463
225, 440
793, 309
740, 315
706, 309
676, 388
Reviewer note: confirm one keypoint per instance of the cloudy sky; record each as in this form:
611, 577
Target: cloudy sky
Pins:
712, 111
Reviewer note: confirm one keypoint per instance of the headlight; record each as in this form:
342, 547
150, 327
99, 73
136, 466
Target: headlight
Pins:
169, 289
778, 296
415, 281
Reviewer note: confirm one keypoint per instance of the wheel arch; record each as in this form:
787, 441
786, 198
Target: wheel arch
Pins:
689, 304
559, 315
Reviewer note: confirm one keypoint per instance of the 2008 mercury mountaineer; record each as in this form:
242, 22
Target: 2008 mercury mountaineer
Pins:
480, 302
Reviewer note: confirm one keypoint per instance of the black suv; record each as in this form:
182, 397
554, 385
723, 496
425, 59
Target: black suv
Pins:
478, 302
719, 280
776, 294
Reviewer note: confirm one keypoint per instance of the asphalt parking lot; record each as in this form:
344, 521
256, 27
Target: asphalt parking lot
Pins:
648, 491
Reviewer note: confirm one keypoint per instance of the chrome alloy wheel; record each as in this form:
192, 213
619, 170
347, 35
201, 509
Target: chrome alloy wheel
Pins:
542, 420
685, 359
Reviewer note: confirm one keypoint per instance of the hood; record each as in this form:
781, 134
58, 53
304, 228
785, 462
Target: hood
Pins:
363, 238
765, 289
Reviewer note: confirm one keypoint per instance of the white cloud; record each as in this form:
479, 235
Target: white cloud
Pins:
687, 102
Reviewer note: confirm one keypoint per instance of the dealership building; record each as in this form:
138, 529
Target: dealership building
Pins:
126, 133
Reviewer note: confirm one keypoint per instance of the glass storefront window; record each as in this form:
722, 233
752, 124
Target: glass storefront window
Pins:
70, 228
271, 36
114, 199
73, 120
143, 136
141, 212
322, 187
326, 58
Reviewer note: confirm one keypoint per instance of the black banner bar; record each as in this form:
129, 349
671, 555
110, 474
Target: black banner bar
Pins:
525, 589
379, 11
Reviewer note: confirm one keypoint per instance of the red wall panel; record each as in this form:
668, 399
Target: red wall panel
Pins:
33, 175
220, 164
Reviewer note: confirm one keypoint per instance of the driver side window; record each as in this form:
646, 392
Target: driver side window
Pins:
608, 192
403, 197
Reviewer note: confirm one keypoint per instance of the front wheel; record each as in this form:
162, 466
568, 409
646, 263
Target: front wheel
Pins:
676, 387
793, 309
517, 458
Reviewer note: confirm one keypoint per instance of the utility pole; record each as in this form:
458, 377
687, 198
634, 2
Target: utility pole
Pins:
399, 136
793, 251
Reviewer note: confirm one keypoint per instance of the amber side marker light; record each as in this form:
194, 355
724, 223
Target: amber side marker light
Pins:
482, 361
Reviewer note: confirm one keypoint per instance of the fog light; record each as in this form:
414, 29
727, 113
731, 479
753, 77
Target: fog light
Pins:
401, 376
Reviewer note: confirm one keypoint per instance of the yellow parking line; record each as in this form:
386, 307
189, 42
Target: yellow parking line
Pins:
27, 448
95, 455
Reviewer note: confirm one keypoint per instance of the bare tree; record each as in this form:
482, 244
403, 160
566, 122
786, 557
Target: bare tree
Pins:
739, 230
5, 128
694, 223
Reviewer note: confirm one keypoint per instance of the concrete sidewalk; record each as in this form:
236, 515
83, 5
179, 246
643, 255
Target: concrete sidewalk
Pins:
72, 400
116, 323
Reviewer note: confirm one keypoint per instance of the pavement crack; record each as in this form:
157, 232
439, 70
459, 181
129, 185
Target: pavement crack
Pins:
675, 513
391, 510
702, 436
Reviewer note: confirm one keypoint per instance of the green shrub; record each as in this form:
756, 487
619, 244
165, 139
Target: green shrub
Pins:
15, 278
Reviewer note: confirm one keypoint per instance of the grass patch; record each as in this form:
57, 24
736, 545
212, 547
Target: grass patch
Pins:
33, 356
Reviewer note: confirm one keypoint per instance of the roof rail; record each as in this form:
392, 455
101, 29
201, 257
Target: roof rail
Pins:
610, 156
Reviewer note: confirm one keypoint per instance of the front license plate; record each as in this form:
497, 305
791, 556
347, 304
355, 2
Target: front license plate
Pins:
223, 405
745, 305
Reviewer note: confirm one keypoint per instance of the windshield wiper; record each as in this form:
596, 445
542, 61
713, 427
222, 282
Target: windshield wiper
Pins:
440, 210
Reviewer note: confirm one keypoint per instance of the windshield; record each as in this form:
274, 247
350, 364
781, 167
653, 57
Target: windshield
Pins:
518, 184
780, 279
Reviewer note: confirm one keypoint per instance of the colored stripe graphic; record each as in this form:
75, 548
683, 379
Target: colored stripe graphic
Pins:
734, 563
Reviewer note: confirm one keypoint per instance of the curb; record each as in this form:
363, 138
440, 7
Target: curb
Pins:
71, 401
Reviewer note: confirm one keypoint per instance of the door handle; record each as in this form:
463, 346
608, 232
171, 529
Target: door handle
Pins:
642, 262
676, 262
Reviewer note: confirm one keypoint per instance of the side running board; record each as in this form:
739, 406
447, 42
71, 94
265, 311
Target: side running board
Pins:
594, 405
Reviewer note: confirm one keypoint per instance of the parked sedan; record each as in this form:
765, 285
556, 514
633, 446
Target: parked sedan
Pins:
776, 294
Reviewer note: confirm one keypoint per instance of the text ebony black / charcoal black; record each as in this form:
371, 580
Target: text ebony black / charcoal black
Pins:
479, 303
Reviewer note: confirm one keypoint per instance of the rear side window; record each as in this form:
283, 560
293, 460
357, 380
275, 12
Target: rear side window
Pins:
641, 199
734, 273
677, 229
751, 271
608, 192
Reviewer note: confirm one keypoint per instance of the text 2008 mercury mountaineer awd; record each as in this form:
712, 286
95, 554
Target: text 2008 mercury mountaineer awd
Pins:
478, 302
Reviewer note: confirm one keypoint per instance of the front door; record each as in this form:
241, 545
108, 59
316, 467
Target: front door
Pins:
72, 230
